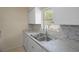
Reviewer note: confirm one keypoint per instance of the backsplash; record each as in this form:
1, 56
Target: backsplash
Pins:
34, 27
70, 32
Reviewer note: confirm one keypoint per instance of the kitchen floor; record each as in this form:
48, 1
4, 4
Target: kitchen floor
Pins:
18, 49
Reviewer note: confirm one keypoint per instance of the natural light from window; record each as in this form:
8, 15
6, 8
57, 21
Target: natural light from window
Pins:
48, 16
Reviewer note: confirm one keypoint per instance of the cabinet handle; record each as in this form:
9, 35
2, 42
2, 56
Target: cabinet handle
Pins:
32, 46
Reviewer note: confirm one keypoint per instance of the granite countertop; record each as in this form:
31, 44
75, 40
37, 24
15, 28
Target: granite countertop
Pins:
59, 45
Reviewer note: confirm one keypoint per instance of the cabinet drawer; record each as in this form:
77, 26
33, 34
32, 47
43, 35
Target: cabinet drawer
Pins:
37, 48
34, 47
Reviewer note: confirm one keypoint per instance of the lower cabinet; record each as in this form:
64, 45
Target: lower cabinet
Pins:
32, 46
25, 41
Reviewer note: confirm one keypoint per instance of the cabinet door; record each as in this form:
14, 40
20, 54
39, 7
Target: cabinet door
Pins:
38, 16
34, 47
32, 16
35, 16
66, 15
25, 42
29, 45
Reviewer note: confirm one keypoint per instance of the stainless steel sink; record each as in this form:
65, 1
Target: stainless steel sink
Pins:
41, 37
44, 39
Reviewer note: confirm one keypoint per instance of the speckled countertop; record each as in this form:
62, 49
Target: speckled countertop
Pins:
58, 45
61, 45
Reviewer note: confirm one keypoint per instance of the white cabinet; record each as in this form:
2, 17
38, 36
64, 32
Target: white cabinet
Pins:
66, 15
32, 46
25, 42
34, 15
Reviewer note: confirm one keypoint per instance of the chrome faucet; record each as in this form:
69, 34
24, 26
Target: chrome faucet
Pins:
46, 30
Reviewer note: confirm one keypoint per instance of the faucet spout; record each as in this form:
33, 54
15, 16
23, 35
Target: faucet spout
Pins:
46, 31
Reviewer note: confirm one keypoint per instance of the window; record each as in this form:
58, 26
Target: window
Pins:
48, 15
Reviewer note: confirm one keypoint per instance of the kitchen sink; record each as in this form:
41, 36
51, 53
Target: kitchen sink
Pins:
44, 39
41, 37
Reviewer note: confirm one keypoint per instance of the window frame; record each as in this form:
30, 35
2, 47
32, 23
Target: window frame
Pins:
43, 9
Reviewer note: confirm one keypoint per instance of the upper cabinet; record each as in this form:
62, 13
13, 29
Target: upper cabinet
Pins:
66, 15
34, 15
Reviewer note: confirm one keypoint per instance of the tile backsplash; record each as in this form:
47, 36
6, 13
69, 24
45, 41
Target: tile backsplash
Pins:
70, 32
34, 27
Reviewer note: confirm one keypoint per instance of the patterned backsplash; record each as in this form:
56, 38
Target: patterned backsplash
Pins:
70, 32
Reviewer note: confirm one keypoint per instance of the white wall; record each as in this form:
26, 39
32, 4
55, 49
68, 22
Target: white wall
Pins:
66, 15
14, 21
1, 21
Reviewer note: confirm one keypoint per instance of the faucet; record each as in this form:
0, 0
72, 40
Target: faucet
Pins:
46, 30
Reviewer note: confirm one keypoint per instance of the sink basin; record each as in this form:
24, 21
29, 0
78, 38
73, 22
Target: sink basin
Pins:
44, 39
41, 37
